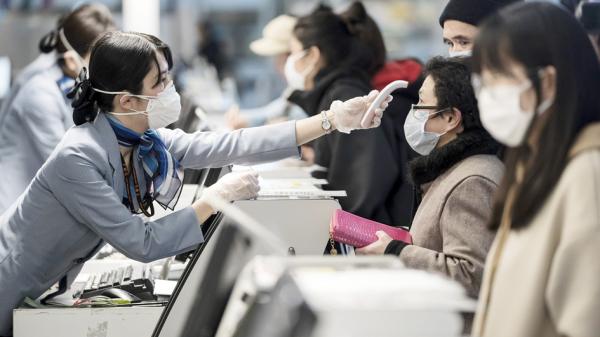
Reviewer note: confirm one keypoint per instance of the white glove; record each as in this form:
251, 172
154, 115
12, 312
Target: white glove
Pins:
234, 186
349, 114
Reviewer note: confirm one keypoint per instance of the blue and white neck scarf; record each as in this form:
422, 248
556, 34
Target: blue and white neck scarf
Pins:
160, 168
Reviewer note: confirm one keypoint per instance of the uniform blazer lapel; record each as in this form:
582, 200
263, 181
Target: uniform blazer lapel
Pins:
109, 142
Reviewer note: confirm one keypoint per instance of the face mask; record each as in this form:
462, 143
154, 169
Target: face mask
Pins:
295, 79
80, 61
462, 53
421, 141
162, 110
501, 114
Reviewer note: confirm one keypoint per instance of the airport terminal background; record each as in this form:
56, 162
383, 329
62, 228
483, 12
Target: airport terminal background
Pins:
251, 79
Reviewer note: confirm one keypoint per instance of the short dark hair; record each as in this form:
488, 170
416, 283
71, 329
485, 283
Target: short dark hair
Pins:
118, 62
453, 89
336, 37
81, 28
534, 35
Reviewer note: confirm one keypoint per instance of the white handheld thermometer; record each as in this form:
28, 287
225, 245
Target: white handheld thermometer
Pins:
383, 94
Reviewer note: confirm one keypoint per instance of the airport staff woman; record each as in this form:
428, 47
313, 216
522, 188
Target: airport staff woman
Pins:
118, 159
39, 115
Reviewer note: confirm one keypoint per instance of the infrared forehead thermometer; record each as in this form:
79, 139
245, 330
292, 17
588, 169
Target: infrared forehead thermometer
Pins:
383, 94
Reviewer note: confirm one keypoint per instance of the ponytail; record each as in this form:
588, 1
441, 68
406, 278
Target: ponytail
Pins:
356, 18
85, 107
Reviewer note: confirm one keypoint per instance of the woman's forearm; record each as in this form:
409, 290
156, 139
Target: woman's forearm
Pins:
203, 210
309, 129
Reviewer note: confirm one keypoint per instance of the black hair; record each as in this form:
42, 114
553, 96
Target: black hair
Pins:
365, 28
336, 37
118, 62
453, 89
534, 35
81, 28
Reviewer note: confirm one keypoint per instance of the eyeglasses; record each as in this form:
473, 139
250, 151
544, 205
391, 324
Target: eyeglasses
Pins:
421, 112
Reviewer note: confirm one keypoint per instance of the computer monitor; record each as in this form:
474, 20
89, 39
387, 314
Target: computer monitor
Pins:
295, 317
199, 300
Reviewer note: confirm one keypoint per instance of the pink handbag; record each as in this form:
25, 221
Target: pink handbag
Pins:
359, 232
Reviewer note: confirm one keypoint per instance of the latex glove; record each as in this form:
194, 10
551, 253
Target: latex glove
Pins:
234, 186
376, 248
349, 114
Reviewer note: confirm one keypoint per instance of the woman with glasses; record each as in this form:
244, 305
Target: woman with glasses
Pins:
455, 179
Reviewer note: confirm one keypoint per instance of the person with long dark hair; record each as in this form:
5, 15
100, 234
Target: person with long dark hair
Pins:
329, 63
39, 115
119, 159
538, 94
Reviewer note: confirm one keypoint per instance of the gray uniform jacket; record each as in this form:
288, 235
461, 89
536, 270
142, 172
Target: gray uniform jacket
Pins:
33, 124
73, 205
41, 63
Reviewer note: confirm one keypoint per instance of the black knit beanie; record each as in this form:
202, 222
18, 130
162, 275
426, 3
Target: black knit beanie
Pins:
471, 11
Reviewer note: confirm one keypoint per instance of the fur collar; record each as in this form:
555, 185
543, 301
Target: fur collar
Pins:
425, 169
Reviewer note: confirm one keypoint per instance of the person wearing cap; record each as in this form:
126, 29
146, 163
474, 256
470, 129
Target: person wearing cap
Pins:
275, 43
460, 20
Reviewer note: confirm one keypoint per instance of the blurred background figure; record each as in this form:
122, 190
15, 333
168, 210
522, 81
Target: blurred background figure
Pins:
460, 20
39, 114
211, 48
274, 44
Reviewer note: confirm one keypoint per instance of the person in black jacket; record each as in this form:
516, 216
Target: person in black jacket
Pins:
400, 203
328, 63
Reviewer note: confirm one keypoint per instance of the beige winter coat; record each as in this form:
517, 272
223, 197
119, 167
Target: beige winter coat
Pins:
544, 279
449, 231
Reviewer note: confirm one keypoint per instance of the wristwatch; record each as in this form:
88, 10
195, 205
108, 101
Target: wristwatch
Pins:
325, 123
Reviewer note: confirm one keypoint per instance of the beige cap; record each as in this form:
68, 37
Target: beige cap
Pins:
276, 37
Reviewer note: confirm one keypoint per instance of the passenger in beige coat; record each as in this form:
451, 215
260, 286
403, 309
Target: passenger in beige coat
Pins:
456, 176
542, 276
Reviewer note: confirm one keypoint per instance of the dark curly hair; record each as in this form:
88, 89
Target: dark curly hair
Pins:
453, 89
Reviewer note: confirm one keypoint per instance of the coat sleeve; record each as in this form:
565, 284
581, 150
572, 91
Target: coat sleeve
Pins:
240, 147
465, 236
80, 188
361, 163
573, 290
43, 119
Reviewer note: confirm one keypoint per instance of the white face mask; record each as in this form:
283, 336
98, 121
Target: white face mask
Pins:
501, 114
162, 110
80, 61
462, 53
421, 141
296, 80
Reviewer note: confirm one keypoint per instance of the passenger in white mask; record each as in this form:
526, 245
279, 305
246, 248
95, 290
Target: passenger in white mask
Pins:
455, 179
120, 158
40, 113
537, 81
460, 20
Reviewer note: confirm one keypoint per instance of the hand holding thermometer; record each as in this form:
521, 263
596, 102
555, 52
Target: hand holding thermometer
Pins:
383, 94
